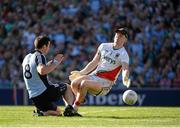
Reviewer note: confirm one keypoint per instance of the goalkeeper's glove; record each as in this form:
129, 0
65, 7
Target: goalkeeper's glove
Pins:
74, 75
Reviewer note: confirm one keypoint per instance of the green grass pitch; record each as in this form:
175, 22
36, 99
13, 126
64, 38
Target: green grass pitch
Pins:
94, 117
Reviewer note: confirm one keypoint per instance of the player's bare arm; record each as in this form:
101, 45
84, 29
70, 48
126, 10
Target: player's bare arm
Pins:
91, 65
45, 69
125, 69
125, 74
88, 68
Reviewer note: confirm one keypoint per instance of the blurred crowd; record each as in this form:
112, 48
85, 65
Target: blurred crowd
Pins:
78, 27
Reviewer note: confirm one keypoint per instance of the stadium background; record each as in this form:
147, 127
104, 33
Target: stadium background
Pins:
77, 27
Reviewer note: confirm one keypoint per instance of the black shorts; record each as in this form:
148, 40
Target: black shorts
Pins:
46, 101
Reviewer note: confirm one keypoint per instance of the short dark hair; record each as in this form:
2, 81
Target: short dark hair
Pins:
40, 41
123, 31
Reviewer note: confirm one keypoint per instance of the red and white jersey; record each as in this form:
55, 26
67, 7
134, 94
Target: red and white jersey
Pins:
109, 66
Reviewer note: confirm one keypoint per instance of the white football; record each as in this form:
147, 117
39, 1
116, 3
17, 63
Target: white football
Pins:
130, 97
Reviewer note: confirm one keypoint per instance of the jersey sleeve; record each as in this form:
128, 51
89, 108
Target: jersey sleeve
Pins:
40, 59
100, 48
124, 57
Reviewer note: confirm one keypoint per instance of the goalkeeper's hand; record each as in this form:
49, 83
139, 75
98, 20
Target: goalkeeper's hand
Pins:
127, 82
74, 75
125, 78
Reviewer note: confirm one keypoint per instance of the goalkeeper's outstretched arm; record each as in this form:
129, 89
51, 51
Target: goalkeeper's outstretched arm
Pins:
125, 74
88, 68
91, 65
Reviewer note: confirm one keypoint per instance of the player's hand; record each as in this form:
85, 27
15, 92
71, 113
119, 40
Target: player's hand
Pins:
59, 58
74, 75
127, 82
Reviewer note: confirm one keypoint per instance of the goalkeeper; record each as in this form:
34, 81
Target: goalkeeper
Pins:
99, 75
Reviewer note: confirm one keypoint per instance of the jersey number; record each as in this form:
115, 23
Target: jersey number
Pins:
27, 72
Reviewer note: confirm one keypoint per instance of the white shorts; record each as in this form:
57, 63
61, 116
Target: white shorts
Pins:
106, 84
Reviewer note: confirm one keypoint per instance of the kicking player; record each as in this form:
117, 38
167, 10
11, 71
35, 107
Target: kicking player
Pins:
99, 75
44, 93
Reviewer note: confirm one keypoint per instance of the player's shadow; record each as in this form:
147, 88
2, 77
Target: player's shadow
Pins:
140, 117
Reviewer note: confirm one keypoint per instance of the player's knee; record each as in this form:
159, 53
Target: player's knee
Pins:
83, 84
74, 84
